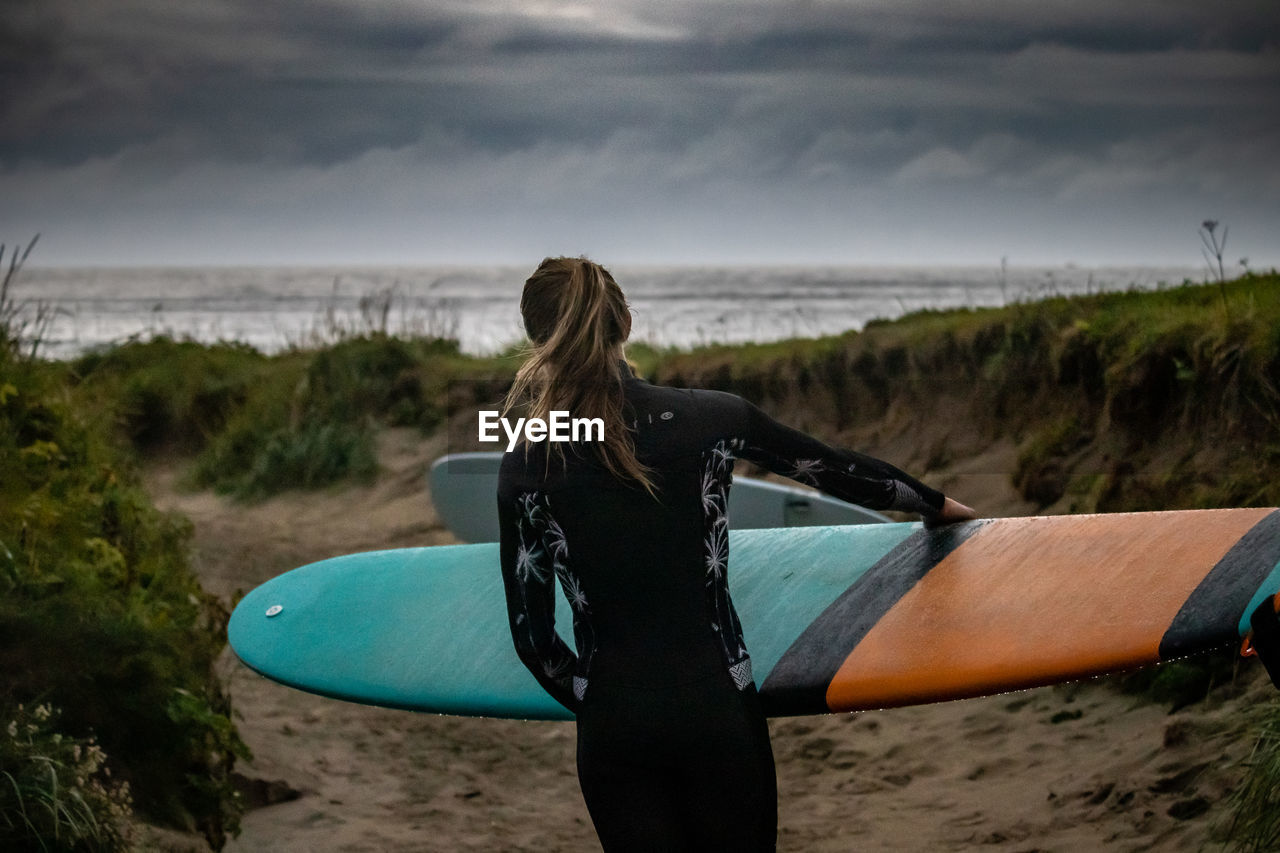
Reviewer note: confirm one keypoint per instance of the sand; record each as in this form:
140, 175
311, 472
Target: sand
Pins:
1067, 768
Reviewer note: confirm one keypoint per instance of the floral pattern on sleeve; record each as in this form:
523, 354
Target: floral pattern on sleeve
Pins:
539, 551
717, 478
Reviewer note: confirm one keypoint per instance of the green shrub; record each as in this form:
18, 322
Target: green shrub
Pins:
100, 614
376, 376
253, 461
172, 393
261, 424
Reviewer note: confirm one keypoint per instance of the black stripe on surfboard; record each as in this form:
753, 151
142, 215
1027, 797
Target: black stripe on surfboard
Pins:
1211, 615
798, 682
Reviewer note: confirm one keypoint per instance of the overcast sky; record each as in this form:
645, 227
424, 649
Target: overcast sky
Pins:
718, 131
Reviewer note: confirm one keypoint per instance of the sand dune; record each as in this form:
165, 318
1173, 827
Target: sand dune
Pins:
1068, 768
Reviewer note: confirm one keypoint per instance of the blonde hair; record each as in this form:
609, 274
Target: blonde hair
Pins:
577, 320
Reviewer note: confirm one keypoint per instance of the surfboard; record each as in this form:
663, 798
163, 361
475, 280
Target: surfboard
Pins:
463, 486
836, 618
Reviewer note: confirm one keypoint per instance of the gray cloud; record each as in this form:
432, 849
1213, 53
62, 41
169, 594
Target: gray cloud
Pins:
291, 128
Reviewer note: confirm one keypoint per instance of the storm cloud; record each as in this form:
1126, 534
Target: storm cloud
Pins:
494, 130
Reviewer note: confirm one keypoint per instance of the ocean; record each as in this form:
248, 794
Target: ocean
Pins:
274, 308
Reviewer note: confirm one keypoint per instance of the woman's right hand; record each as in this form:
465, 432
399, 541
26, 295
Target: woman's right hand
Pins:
952, 511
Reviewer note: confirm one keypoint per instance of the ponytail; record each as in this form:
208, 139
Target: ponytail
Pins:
577, 320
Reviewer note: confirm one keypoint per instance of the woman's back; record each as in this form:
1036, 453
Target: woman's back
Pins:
635, 566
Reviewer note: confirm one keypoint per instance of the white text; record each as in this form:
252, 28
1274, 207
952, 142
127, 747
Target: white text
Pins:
558, 427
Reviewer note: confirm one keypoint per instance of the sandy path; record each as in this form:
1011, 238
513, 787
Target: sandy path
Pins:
1068, 768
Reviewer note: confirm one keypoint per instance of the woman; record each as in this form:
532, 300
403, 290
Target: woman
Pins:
673, 748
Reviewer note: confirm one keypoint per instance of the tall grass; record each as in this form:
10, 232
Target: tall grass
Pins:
1254, 823
56, 792
384, 312
22, 323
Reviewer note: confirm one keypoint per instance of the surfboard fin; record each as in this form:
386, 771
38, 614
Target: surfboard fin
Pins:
1264, 638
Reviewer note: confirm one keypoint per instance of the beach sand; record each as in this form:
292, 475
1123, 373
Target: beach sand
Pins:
1066, 768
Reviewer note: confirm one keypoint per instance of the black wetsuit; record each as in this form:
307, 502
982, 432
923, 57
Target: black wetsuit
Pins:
673, 748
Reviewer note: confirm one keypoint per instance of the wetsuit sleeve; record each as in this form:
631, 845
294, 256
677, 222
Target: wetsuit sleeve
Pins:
844, 474
529, 580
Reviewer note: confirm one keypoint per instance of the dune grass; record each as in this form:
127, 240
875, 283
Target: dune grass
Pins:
1254, 822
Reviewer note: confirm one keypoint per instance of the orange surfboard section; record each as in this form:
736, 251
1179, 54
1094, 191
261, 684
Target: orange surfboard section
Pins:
1035, 602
